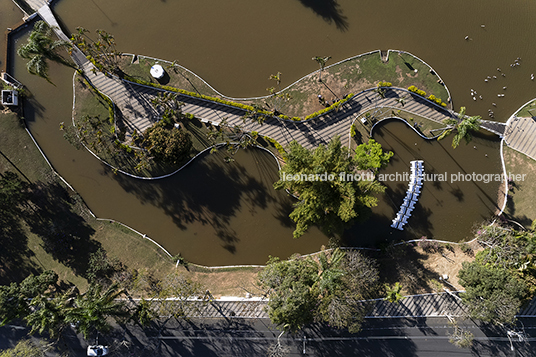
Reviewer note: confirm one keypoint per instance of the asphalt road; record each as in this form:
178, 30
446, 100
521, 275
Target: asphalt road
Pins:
254, 337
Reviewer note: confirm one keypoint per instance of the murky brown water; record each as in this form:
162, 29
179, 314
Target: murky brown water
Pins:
10, 15
449, 205
235, 46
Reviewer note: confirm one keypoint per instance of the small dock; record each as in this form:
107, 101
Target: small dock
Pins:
412, 195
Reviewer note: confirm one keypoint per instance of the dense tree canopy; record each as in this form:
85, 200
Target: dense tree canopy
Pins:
15, 298
502, 277
327, 289
328, 183
167, 143
492, 294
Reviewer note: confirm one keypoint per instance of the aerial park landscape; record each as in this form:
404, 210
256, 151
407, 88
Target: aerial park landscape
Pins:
150, 156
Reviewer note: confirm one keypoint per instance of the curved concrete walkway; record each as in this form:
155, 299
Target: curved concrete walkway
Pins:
133, 102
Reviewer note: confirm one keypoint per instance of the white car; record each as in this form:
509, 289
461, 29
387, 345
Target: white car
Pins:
97, 350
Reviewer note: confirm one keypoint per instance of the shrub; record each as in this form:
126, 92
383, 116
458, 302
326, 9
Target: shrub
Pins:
466, 249
384, 84
417, 91
278, 146
331, 107
352, 130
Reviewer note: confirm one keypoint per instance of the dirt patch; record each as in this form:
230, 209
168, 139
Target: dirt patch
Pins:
419, 268
226, 283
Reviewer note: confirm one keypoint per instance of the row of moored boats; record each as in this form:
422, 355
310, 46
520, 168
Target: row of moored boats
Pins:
412, 194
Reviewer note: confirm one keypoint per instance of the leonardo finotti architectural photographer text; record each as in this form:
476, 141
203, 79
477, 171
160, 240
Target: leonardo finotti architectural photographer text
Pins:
405, 177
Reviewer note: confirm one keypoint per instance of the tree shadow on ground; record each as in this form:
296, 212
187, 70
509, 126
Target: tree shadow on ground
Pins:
340, 343
14, 262
403, 263
66, 235
329, 10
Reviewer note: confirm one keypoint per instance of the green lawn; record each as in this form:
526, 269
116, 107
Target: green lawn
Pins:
351, 76
425, 126
20, 155
527, 111
521, 206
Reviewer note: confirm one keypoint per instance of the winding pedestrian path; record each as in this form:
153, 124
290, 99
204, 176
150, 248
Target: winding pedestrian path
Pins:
133, 104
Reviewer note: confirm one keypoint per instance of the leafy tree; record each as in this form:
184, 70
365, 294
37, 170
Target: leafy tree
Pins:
167, 143
13, 192
292, 291
177, 286
302, 290
460, 337
493, 294
325, 199
15, 298
49, 313
168, 106
91, 309
101, 268
464, 127
40, 48
370, 156
144, 313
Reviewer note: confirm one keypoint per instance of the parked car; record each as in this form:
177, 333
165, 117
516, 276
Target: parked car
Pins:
97, 350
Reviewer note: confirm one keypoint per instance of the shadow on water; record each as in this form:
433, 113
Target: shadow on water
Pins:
210, 192
329, 10
447, 207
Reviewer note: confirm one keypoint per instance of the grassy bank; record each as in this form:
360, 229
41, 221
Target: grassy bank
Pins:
91, 103
425, 126
527, 111
301, 99
20, 155
521, 206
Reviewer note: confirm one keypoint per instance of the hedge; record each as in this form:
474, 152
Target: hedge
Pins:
239, 105
352, 130
331, 107
276, 145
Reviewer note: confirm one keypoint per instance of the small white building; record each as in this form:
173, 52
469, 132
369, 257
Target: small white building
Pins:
10, 97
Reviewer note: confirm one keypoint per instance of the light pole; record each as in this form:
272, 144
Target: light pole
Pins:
304, 339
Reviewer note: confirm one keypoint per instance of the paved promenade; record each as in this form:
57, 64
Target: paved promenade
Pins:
423, 305
133, 103
521, 135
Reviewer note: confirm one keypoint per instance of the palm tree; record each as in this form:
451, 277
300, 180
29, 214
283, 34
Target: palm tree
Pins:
144, 313
463, 127
91, 309
40, 48
393, 293
322, 63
